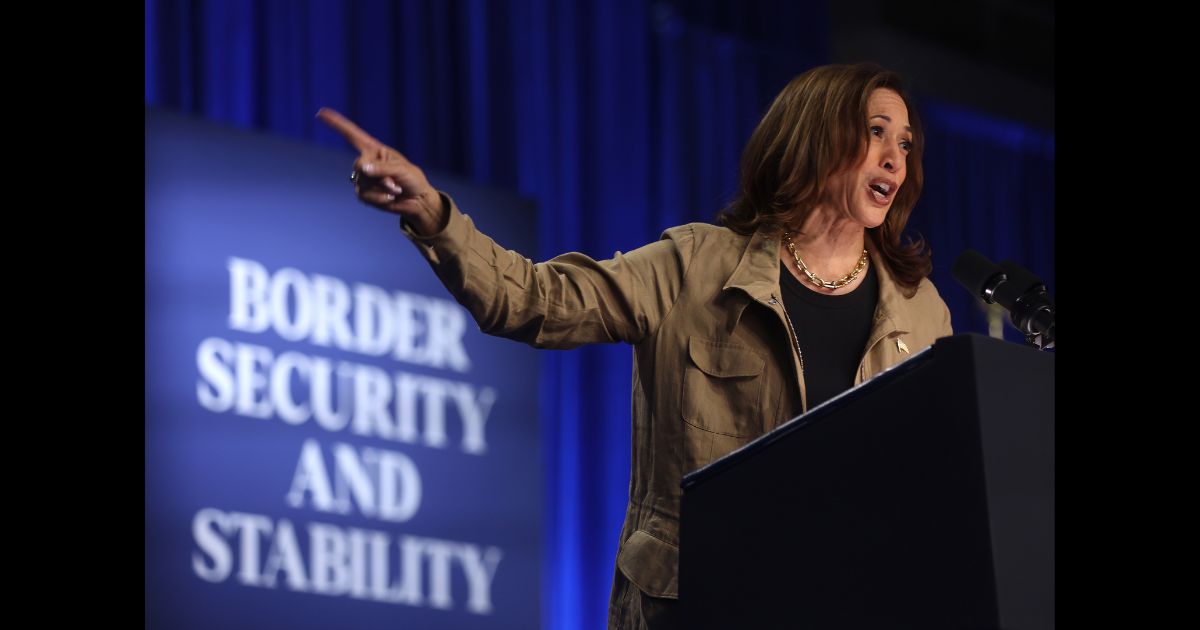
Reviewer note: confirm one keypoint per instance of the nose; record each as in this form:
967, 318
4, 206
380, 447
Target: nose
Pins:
892, 159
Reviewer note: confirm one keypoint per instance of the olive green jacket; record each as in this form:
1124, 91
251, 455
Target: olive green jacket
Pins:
716, 362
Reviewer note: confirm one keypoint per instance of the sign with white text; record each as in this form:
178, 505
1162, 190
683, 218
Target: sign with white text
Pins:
330, 440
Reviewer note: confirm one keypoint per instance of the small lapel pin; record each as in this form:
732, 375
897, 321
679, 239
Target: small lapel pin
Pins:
901, 347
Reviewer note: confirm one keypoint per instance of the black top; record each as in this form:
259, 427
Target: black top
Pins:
833, 331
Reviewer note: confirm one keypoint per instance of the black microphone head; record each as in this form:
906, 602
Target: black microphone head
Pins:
977, 274
1022, 278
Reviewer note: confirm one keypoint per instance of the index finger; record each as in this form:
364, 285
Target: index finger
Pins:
353, 134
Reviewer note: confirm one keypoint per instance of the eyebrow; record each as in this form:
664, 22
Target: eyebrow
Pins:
887, 118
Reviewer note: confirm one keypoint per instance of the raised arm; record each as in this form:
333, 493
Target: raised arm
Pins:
565, 302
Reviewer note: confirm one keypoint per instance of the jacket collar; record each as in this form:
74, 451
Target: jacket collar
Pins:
757, 271
894, 311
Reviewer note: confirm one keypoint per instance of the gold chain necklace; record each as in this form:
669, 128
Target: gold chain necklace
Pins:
836, 284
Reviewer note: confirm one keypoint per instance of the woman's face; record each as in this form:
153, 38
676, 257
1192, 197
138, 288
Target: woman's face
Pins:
867, 190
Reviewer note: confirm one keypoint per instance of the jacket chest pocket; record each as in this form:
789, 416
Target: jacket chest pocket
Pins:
723, 388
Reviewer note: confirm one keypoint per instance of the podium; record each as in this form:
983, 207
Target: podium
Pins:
924, 499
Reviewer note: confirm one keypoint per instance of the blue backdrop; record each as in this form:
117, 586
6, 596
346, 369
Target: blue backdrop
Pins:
619, 118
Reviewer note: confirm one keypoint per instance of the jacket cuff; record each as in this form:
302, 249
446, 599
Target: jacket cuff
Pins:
447, 243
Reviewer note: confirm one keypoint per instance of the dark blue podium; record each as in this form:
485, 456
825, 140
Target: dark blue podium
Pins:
922, 499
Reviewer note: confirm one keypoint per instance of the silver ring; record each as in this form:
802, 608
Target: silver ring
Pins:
354, 177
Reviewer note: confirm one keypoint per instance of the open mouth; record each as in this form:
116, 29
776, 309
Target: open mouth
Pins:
882, 190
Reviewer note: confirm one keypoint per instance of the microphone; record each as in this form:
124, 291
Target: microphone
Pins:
1014, 287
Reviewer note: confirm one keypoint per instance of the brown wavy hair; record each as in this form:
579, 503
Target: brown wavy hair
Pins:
817, 127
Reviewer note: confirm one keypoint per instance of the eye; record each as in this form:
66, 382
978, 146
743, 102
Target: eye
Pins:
906, 145
876, 130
